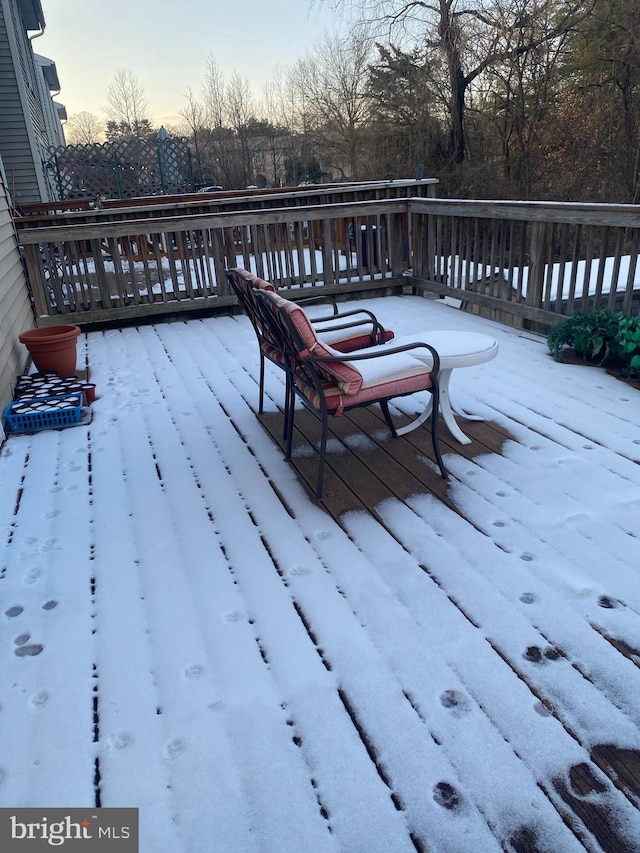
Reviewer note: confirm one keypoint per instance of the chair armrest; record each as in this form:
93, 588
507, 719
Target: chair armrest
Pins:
377, 332
319, 300
379, 352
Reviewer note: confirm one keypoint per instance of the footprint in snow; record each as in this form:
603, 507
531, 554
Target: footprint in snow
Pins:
21, 639
446, 795
30, 650
454, 700
32, 576
322, 534
13, 611
535, 654
300, 571
193, 671
173, 748
39, 699
234, 616
119, 740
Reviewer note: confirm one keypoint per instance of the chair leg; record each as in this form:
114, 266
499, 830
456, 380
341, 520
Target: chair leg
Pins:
289, 416
435, 408
384, 405
261, 391
323, 454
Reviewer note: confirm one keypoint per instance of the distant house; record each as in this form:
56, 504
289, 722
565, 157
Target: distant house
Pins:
30, 121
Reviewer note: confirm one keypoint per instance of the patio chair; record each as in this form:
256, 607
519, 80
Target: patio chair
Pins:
361, 331
328, 382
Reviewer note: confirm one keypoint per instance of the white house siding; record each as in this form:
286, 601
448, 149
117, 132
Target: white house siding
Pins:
24, 135
47, 79
15, 309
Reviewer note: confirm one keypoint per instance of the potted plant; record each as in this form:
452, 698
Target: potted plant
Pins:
589, 336
627, 346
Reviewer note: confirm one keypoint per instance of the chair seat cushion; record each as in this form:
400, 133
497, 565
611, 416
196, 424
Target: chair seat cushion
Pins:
388, 377
345, 340
394, 367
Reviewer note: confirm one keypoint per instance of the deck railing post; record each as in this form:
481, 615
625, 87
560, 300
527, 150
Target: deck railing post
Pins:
35, 277
535, 280
328, 275
398, 238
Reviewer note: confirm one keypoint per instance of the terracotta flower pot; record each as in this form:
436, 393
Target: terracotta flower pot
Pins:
53, 348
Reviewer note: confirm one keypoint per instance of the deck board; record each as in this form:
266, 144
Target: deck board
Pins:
407, 665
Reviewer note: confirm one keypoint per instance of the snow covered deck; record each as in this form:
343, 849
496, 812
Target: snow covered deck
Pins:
413, 667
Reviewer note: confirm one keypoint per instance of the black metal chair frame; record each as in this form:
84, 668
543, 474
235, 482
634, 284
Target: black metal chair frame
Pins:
246, 295
307, 368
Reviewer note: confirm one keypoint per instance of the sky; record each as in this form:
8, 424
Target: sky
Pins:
166, 45
265, 679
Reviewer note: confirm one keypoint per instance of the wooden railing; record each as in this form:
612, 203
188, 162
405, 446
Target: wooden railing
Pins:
116, 270
77, 211
531, 261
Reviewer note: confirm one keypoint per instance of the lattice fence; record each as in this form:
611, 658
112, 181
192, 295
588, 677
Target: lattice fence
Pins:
124, 168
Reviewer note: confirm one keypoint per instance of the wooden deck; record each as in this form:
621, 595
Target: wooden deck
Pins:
362, 474
409, 665
365, 466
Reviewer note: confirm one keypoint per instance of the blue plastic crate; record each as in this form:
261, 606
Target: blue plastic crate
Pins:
54, 414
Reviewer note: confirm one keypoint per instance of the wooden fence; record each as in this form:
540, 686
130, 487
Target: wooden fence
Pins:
81, 210
530, 261
115, 270
537, 261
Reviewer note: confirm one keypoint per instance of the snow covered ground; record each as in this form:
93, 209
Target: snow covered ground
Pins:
258, 679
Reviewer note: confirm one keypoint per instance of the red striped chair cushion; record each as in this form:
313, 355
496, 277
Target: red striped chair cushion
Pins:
347, 377
397, 374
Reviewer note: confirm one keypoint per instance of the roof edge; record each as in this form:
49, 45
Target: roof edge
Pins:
32, 14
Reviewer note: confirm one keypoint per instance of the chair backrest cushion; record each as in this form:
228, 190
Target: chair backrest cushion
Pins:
346, 378
259, 283
243, 281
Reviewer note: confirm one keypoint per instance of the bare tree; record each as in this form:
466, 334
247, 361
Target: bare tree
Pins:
127, 105
214, 95
84, 128
470, 37
332, 92
241, 111
194, 115
279, 107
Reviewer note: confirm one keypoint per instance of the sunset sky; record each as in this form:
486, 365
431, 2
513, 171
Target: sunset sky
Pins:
166, 45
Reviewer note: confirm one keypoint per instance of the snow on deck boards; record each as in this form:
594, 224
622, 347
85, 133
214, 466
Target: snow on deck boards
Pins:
421, 667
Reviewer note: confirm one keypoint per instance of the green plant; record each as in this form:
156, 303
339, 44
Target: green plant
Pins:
590, 335
628, 345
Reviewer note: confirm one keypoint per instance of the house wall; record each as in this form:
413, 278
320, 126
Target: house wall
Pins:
15, 308
24, 135
53, 135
